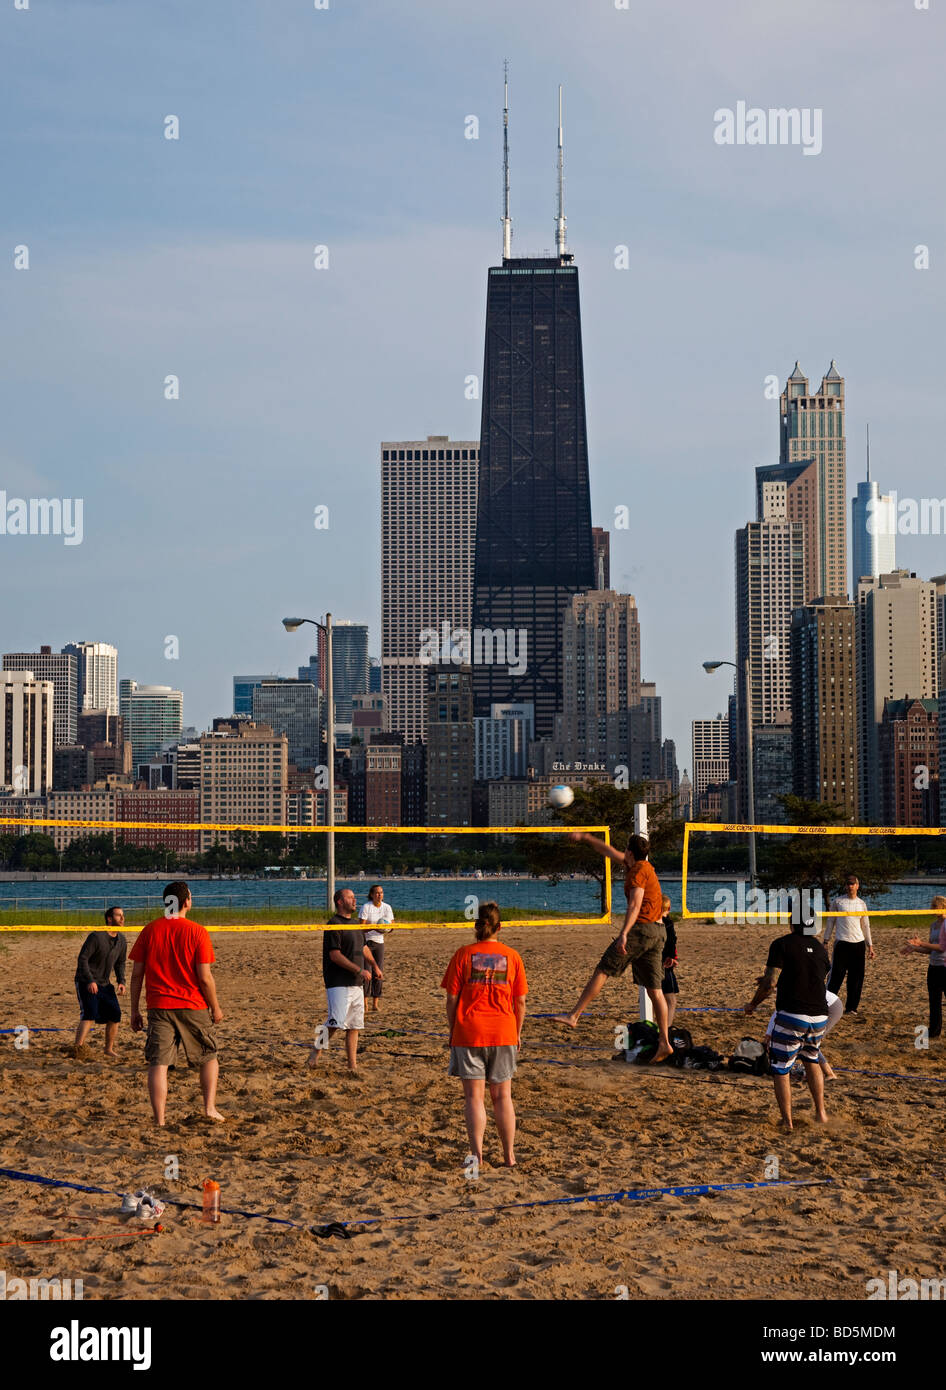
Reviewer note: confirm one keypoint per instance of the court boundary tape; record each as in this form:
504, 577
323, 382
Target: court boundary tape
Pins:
619, 1195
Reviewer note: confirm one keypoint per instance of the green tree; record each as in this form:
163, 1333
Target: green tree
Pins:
815, 861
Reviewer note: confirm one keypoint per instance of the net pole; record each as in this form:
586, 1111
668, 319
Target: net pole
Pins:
645, 1008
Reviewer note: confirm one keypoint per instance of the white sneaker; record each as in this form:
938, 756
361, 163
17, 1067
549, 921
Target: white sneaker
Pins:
130, 1202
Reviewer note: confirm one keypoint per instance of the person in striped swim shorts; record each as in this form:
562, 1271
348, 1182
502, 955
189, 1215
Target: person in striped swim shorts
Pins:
796, 968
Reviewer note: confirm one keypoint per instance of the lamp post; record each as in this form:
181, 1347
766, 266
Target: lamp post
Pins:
291, 624
709, 667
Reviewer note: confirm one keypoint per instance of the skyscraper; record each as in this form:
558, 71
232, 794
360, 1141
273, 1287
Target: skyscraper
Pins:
601, 674
96, 675
26, 734
710, 754
602, 544
770, 579
243, 687
349, 665
534, 547
812, 432
896, 657
151, 714
293, 708
61, 669
824, 704
428, 515
873, 533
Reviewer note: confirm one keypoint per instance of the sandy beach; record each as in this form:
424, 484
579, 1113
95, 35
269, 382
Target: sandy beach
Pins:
315, 1149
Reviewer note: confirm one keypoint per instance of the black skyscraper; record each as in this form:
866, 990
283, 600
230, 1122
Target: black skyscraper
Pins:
534, 546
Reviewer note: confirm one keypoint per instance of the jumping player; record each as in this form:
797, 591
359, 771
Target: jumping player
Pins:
640, 942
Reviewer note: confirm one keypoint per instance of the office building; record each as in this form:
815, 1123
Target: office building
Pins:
873, 533
534, 547
824, 704
770, 584
501, 742
293, 708
92, 804
908, 745
243, 687
73, 768
96, 675
812, 433
896, 657
163, 806
151, 714
601, 669
244, 776
61, 669
601, 540
26, 733
428, 519
449, 745
710, 754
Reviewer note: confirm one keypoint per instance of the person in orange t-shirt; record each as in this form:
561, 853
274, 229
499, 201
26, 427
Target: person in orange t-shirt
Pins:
486, 1006
172, 958
641, 940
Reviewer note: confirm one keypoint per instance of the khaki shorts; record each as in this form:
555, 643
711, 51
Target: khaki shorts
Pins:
483, 1063
645, 955
171, 1029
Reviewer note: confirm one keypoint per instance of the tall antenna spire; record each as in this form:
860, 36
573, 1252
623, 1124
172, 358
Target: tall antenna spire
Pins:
560, 220
868, 453
507, 220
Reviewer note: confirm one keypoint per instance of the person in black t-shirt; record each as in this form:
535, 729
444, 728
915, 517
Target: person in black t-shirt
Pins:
101, 953
800, 964
345, 955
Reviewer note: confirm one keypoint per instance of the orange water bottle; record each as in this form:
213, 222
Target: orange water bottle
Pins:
211, 1202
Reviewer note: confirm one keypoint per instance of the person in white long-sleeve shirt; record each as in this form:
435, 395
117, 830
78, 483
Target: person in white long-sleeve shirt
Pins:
852, 944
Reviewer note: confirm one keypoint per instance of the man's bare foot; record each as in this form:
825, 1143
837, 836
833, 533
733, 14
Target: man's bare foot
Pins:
821, 1117
214, 1114
314, 1057
568, 1019
107, 1053
784, 1124
662, 1053
829, 1073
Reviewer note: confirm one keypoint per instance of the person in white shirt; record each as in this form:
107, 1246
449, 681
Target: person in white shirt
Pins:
378, 917
852, 944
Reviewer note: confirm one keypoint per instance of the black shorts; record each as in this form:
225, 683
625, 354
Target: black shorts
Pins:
670, 985
102, 1007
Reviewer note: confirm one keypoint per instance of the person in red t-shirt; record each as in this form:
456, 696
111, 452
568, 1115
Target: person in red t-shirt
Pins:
173, 958
486, 1005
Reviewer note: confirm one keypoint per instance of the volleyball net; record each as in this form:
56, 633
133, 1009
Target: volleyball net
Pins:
432, 876
866, 851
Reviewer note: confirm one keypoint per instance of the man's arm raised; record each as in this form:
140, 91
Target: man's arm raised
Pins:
581, 837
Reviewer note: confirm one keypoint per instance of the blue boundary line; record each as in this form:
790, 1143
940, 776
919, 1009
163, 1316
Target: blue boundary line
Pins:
623, 1194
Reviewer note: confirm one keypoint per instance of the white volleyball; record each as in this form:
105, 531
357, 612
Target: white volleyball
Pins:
560, 797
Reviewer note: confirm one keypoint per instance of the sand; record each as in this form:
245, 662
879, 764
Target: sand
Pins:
318, 1149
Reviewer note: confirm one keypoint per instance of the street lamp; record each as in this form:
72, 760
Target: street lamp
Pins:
291, 624
709, 667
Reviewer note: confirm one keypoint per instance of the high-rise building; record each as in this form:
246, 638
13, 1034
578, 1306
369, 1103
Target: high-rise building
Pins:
368, 715
501, 742
710, 754
374, 676
939, 584
534, 547
601, 672
73, 768
26, 733
428, 519
685, 797
812, 432
873, 533
244, 777
61, 669
96, 675
824, 704
908, 745
602, 548
349, 665
449, 745
243, 687
770, 584
151, 714
896, 657
772, 761
294, 708
98, 726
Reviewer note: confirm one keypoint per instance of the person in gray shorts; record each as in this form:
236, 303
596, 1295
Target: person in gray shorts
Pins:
486, 1006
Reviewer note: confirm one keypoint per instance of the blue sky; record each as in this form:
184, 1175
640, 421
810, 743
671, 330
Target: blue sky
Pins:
345, 127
